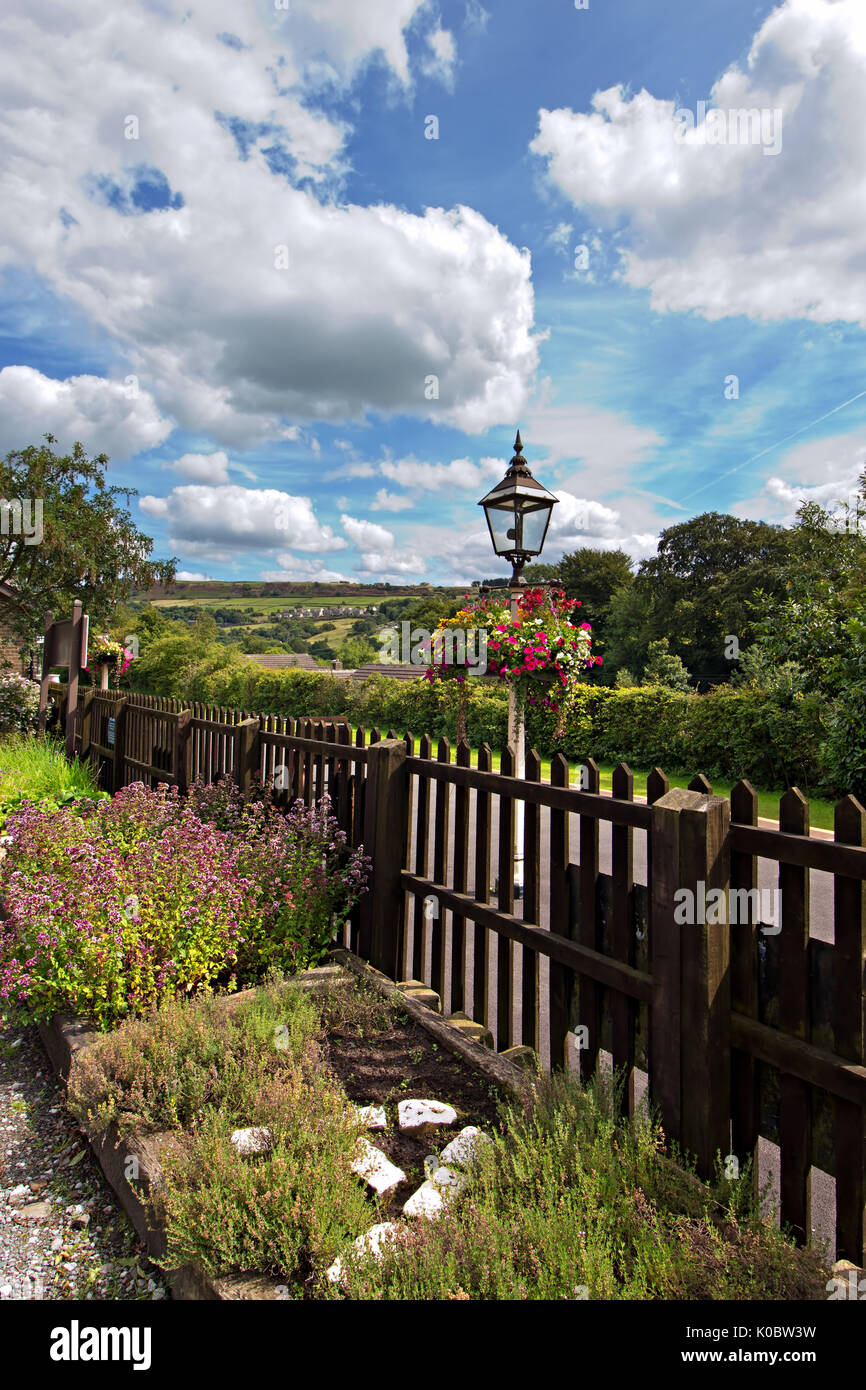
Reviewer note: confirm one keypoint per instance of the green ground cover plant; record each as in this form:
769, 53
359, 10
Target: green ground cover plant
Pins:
572, 1202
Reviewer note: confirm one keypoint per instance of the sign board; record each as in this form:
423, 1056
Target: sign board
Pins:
110, 733
57, 650
65, 644
59, 643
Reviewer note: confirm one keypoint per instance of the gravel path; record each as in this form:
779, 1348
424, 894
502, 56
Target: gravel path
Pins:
63, 1234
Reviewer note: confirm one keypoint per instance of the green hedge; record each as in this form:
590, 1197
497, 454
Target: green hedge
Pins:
726, 733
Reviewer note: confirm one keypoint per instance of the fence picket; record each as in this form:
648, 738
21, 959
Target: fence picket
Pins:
442, 822
480, 959
505, 896
795, 1121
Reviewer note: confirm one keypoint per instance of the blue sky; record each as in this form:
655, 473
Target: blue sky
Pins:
232, 259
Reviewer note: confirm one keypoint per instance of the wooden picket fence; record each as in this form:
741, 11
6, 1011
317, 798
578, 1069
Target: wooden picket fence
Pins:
743, 1031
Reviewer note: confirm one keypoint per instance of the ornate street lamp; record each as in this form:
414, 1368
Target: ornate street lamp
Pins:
518, 512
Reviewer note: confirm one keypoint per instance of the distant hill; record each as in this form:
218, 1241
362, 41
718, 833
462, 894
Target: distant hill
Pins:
209, 589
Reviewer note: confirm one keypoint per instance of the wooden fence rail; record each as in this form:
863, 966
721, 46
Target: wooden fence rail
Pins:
742, 1027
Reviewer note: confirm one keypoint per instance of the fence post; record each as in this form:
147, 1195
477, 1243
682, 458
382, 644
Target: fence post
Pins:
86, 721
689, 959
119, 744
386, 828
181, 750
247, 754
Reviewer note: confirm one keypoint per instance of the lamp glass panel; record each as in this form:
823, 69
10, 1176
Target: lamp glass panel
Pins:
534, 528
501, 520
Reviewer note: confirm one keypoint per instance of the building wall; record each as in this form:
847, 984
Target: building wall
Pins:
9, 645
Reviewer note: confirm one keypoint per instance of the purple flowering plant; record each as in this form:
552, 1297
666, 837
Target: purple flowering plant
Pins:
114, 907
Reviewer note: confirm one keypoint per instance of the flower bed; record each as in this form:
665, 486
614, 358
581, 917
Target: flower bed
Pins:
565, 1201
115, 906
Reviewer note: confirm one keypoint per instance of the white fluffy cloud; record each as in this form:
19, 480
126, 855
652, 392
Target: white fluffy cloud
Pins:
391, 502
825, 471
217, 520
366, 533
380, 554
438, 477
726, 228
108, 417
292, 567
202, 468
212, 250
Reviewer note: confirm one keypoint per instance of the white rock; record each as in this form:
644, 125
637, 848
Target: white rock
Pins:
371, 1242
249, 1142
371, 1116
427, 1201
419, 1115
444, 1178
464, 1146
376, 1168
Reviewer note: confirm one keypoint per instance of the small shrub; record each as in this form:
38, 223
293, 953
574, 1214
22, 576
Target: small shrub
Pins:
19, 702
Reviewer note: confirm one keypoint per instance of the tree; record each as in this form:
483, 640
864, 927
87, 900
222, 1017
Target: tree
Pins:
702, 585
90, 548
665, 668
594, 576
358, 651
541, 574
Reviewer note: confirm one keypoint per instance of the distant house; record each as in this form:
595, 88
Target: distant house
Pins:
279, 661
397, 673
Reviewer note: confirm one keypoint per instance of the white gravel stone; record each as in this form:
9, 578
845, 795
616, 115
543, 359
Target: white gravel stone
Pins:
371, 1242
427, 1201
249, 1142
420, 1115
376, 1168
371, 1116
464, 1146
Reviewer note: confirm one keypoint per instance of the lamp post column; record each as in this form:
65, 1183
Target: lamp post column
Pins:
517, 741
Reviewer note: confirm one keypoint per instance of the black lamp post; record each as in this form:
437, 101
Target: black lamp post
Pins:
518, 512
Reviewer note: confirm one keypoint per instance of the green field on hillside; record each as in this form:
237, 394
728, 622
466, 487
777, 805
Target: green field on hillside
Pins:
271, 605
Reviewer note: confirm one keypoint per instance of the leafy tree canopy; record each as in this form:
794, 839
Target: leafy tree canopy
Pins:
90, 547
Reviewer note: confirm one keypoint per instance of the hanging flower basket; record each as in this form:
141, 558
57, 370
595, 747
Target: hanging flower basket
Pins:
541, 647
106, 651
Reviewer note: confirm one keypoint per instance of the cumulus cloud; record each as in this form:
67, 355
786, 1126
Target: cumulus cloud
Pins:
380, 554
391, 502
366, 533
190, 575
223, 519
108, 417
437, 477
293, 567
728, 228
202, 468
212, 248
